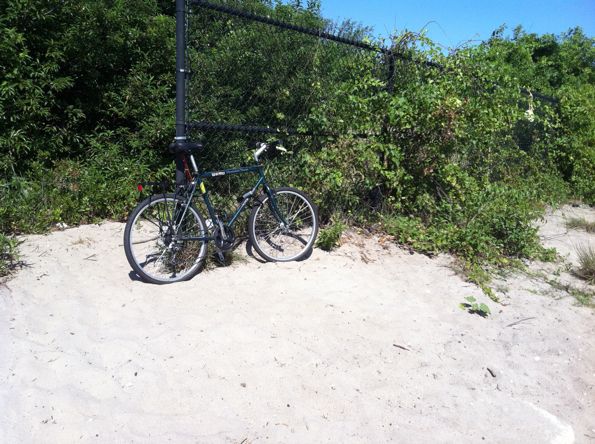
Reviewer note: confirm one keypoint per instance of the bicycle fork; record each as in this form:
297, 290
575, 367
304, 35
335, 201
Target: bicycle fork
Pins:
275, 208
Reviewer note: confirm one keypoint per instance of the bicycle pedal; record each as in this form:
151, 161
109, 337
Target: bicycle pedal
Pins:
221, 258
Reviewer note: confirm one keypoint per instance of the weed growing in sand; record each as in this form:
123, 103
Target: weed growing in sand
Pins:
583, 297
8, 255
329, 237
473, 307
586, 258
580, 223
229, 258
478, 275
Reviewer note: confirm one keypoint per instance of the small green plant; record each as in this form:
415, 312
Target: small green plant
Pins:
329, 237
586, 258
580, 223
546, 254
583, 297
473, 307
8, 255
478, 275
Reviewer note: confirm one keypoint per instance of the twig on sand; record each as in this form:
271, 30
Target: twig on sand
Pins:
91, 258
401, 347
522, 320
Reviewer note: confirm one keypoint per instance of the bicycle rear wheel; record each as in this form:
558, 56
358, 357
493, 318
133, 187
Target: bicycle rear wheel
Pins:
165, 242
283, 229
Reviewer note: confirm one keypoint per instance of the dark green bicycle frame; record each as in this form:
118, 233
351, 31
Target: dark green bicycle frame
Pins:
246, 197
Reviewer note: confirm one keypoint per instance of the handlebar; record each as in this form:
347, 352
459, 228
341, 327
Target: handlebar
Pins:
264, 147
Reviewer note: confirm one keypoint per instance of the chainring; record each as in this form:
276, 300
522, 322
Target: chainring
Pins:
224, 238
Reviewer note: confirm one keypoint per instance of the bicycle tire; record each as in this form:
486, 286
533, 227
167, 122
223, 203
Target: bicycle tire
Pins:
152, 232
272, 240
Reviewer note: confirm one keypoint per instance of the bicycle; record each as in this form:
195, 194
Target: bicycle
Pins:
166, 238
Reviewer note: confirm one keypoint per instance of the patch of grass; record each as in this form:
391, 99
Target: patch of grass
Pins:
546, 254
213, 260
580, 223
9, 259
329, 237
583, 297
586, 258
481, 277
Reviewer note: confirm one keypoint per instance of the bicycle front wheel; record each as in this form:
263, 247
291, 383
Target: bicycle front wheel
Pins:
165, 241
285, 227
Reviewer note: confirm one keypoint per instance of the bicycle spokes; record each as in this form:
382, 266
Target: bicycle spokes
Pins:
284, 228
167, 239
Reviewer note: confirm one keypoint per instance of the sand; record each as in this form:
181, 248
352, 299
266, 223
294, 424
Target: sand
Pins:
364, 344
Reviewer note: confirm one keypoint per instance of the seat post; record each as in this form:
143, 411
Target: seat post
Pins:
193, 162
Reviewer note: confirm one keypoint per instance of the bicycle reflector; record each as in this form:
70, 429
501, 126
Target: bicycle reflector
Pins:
139, 187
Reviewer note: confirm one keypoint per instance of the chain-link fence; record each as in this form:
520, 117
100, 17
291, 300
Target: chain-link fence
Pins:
259, 72
262, 70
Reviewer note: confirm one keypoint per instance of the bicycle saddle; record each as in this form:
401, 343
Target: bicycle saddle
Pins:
184, 147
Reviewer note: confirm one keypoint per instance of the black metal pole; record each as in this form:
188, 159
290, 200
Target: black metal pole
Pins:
180, 85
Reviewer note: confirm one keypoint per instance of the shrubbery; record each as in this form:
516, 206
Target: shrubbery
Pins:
85, 108
462, 160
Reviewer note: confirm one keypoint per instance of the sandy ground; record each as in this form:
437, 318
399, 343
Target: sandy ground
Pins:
365, 344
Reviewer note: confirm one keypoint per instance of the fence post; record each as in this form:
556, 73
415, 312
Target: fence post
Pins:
180, 85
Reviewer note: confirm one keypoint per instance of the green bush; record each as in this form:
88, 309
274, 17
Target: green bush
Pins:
457, 159
330, 236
